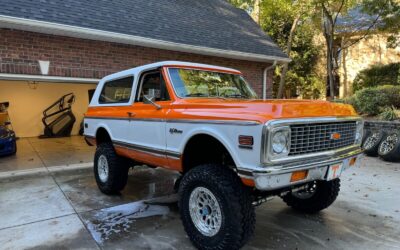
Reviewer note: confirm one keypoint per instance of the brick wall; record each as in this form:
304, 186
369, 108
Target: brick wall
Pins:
74, 57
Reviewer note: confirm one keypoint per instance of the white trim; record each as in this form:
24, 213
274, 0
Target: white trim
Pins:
101, 35
40, 78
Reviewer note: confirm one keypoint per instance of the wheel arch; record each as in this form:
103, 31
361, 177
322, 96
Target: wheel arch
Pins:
103, 135
205, 143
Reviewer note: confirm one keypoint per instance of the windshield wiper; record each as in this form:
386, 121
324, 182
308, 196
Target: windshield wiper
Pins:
235, 96
195, 94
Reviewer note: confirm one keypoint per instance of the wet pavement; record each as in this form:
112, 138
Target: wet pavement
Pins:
65, 210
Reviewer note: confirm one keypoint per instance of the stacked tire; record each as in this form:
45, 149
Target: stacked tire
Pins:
389, 148
386, 145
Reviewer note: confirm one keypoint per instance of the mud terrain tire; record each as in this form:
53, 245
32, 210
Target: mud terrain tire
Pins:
389, 148
110, 170
371, 143
325, 194
237, 216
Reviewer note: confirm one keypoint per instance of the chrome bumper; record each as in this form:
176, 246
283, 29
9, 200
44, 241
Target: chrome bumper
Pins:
276, 177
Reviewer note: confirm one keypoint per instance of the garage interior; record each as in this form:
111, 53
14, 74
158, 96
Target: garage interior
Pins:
27, 101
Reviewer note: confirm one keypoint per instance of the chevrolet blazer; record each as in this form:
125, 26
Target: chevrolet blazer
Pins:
233, 150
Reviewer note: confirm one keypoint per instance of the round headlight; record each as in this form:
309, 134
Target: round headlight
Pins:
280, 142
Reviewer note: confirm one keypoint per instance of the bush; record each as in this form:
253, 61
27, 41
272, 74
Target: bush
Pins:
372, 101
389, 114
377, 75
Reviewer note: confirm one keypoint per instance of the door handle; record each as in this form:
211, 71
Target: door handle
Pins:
131, 114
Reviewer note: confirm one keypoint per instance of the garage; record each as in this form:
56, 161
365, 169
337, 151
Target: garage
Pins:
28, 100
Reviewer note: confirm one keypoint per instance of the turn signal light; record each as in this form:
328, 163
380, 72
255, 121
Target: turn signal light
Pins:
246, 140
299, 175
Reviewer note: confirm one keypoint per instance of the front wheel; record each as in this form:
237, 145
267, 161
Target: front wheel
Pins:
216, 209
316, 197
110, 170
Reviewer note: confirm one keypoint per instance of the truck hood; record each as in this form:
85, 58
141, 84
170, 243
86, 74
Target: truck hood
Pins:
259, 110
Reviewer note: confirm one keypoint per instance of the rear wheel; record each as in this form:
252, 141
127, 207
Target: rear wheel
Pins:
110, 170
389, 148
216, 209
318, 196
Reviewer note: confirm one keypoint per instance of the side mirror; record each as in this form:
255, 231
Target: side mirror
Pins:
150, 100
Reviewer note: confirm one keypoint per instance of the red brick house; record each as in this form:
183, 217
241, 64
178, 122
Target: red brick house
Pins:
82, 41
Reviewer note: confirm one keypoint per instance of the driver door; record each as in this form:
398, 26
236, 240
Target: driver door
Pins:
147, 123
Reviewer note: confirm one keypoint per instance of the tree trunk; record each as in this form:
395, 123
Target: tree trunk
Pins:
344, 65
289, 49
256, 11
328, 34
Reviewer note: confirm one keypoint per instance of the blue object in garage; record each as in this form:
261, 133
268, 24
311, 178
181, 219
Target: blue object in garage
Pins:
8, 144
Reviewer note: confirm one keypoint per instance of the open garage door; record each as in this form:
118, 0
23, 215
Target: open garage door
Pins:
28, 100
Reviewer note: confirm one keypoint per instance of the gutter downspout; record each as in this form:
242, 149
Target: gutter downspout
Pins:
265, 74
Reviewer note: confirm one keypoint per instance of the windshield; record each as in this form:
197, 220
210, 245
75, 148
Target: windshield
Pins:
200, 83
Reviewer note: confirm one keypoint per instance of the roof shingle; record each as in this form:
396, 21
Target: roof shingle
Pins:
206, 23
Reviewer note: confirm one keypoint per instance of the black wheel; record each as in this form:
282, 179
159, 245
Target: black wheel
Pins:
371, 143
318, 196
389, 148
365, 136
110, 170
216, 209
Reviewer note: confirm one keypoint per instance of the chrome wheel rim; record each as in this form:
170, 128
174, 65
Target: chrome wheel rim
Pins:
388, 144
306, 193
371, 141
102, 168
205, 211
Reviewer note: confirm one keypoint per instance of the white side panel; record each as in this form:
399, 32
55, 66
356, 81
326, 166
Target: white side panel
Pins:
226, 134
117, 129
147, 133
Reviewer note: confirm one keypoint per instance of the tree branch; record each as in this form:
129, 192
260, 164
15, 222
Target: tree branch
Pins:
367, 32
338, 12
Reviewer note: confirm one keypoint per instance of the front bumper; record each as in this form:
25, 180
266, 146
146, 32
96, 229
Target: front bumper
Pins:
277, 177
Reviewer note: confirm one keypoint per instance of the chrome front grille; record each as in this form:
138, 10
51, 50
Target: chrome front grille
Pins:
319, 137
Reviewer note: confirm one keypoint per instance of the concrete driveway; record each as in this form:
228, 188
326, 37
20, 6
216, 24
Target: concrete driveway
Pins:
37, 155
65, 210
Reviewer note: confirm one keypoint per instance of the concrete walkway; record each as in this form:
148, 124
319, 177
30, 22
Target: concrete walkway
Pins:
65, 210
36, 155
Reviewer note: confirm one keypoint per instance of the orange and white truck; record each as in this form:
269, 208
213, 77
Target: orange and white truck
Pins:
233, 150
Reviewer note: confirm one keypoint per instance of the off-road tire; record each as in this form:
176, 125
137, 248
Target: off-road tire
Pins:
118, 168
371, 143
235, 200
365, 136
325, 194
394, 154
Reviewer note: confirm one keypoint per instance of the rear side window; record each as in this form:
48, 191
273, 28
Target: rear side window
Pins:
117, 91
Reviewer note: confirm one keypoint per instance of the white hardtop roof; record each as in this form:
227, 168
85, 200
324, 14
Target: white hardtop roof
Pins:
134, 71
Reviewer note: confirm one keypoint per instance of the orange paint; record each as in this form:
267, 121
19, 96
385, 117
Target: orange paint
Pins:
91, 141
147, 158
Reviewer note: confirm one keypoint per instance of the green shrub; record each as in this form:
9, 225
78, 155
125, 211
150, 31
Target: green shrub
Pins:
389, 114
377, 75
372, 101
